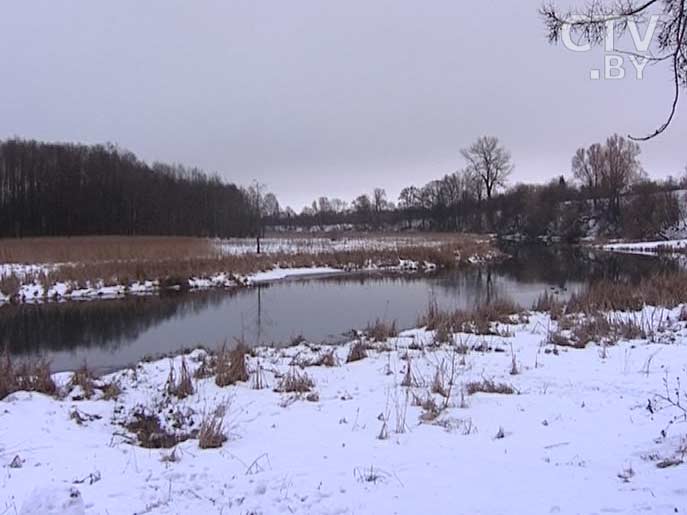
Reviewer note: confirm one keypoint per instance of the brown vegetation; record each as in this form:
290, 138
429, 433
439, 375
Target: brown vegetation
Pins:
477, 321
182, 388
29, 375
85, 379
230, 365
211, 434
381, 330
663, 289
488, 386
357, 352
295, 382
150, 433
172, 261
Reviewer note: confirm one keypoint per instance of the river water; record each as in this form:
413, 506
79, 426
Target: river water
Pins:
110, 334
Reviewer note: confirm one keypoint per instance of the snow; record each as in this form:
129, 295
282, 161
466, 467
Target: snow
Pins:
647, 247
577, 437
305, 245
35, 292
53, 501
277, 274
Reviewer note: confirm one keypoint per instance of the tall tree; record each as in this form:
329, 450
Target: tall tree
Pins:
588, 167
490, 161
621, 171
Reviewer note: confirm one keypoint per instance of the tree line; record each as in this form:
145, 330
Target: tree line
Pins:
57, 189
606, 192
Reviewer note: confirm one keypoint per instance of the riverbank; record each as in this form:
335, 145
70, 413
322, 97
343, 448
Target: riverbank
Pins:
54, 269
651, 248
429, 419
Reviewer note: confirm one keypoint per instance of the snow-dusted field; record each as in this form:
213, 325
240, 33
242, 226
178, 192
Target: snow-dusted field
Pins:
584, 432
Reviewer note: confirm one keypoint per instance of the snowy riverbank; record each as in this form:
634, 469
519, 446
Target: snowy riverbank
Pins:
649, 247
141, 266
406, 430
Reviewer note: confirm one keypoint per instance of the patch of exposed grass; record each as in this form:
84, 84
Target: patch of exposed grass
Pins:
326, 359
83, 378
211, 434
150, 433
662, 289
295, 382
381, 330
356, 352
28, 375
547, 302
488, 386
230, 365
477, 321
184, 386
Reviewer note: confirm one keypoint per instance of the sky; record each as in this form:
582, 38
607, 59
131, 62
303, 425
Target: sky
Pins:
317, 97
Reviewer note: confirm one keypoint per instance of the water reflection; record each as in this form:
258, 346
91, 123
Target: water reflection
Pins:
114, 333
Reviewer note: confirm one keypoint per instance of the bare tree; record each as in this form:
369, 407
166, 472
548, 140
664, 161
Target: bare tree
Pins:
363, 208
379, 203
490, 162
256, 201
590, 25
588, 167
621, 171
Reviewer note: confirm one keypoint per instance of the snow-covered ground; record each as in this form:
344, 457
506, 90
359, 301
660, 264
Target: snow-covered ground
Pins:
583, 432
648, 247
36, 292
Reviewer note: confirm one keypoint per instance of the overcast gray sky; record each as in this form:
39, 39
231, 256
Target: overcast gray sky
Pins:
318, 97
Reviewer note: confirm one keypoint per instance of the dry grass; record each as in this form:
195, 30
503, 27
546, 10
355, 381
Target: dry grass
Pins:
90, 249
211, 434
326, 359
230, 366
295, 382
150, 433
381, 330
477, 321
605, 329
548, 303
84, 378
488, 386
111, 391
664, 289
29, 375
357, 352
125, 260
10, 284
184, 386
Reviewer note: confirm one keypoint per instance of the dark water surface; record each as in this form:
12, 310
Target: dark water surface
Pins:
110, 334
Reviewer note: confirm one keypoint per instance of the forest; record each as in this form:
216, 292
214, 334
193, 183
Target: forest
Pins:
59, 189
